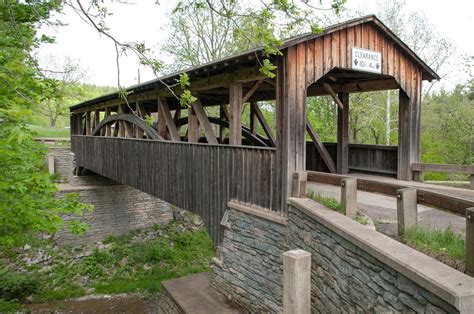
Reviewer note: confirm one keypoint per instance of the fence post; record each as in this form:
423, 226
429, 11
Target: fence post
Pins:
407, 212
51, 169
471, 186
349, 196
296, 282
470, 241
298, 188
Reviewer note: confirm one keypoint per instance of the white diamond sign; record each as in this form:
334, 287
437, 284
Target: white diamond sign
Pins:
366, 60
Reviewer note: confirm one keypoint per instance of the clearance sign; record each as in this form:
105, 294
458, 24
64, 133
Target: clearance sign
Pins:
366, 60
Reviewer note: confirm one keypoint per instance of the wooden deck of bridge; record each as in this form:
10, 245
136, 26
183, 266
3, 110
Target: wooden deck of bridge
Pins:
202, 156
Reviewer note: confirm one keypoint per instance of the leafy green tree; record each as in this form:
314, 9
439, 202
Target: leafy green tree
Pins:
27, 201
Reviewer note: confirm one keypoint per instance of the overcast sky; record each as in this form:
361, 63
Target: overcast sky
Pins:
146, 21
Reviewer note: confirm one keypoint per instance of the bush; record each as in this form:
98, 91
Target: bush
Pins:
16, 286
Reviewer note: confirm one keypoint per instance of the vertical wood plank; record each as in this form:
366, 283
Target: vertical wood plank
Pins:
235, 102
343, 135
193, 126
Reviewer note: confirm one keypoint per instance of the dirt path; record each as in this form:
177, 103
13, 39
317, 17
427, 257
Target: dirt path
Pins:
120, 303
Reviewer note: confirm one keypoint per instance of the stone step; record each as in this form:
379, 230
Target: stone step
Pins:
193, 294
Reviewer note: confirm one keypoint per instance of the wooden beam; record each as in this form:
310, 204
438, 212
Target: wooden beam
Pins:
193, 126
253, 119
343, 134
120, 124
323, 152
222, 116
108, 127
96, 118
331, 92
225, 112
235, 102
252, 90
161, 125
264, 124
88, 123
204, 121
168, 120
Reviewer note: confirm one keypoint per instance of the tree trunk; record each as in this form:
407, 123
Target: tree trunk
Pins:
53, 121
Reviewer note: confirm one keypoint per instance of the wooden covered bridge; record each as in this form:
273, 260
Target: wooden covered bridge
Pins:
201, 157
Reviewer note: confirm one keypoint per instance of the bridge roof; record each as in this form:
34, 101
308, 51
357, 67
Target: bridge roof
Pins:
248, 58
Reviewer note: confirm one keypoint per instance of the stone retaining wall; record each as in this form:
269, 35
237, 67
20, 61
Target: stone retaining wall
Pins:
117, 210
167, 305
346, 278
251, 267
354, 268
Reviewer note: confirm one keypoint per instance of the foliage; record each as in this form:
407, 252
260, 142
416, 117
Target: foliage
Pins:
40, 131
125, 265
16, 286
436, 241
27, 201
447, 129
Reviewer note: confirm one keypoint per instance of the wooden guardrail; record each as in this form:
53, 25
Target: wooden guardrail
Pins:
407, 200
443, 201
419, 168
56, 141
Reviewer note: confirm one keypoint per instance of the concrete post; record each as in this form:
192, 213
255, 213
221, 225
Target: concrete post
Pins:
407, 212
349, 196
296, 282
299, 184
470, 241
51, 164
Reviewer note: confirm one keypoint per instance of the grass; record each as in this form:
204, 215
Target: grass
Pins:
50, 132
336, 206
436, 242
124, 266
327, 201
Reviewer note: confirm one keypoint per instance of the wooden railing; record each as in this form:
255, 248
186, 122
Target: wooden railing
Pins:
407, 200
201, 178
55, 141
419, 168
374, 159
426, 197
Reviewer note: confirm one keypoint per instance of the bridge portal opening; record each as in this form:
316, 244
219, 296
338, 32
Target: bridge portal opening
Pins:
342, 108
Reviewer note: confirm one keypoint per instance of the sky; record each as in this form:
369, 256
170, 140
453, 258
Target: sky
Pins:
144, 21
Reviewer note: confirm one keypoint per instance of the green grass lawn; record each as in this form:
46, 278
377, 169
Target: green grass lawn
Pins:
50, 132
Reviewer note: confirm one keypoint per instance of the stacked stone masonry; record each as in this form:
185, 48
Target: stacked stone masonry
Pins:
117, 208
252, 269
344, 278
167, 305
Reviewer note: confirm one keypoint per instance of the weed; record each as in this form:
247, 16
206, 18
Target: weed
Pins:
436, 241
327, 201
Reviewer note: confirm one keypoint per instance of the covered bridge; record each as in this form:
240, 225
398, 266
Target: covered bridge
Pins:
201, 157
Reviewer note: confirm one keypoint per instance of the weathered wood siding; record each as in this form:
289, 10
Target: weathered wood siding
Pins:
306, 62
374, 159
201, 178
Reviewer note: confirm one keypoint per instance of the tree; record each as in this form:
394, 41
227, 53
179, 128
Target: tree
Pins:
199, 35
27, 201
65, 90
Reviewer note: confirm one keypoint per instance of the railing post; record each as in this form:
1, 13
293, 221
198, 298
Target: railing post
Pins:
407, 212
470, 241
471, 186
296, 282
51, 164
349, 196
298, 188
